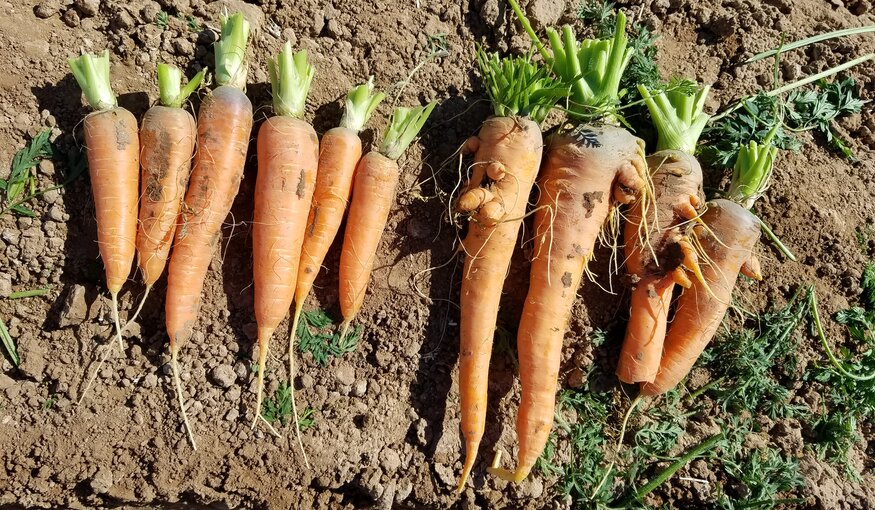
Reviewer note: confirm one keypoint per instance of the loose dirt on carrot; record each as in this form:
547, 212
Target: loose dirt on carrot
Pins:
386, 420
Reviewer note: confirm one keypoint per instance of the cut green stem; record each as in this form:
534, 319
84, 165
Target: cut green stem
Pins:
810, 40
678, 116
360, 105
290, 78
822, 336
172, 93
230, 51
518, 86
403, 127
774, 238
752, 171
92, 74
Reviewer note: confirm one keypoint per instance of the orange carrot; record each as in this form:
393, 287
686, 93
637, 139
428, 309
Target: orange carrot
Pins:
113, 151
507, 157
658, 247
339, 153
376, 178
586, 170
727, 244
224, 126
288, 152
167, 138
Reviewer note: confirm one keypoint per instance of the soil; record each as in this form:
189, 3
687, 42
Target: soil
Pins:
386, 431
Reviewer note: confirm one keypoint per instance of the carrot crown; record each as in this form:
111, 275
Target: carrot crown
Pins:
752, 172
518, 86
290, 78
92, 74
678, 115
591, 67
360, 105
403, 128
230, 51
172, 94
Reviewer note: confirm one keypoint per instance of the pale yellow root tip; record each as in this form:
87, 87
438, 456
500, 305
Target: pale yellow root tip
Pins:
133, 318
176, 381
259, 387
344, 328
504, 474
466, 472
292, 334
118, 328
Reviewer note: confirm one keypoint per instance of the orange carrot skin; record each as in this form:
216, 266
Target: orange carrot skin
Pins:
113, 150
376, 178
678, 196
699, 313
224, 126
288, 153
578, 183
167, 138
517, 144
339, 153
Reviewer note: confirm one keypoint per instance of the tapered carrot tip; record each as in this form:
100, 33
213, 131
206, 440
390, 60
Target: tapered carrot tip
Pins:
471, 145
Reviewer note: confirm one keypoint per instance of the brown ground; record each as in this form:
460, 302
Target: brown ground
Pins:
387, 415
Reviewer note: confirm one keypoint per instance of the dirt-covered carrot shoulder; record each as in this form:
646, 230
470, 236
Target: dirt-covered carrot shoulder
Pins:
507, 156
113, 150
588, 169
376, 179
659, 251
288, 152
224, 126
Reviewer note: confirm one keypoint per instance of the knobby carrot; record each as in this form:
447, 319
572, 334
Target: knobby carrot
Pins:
507, 155
727, 239
586, 171
339, 153
224, 126
288, 153
167, 138
113, 151
659, 250
376, 178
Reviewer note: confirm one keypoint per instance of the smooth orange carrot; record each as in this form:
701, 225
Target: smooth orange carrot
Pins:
224, 126
658, 248
339, 154
507, 155
288, 152
727, 239
578, 184
113, 151
167, 138
376, 178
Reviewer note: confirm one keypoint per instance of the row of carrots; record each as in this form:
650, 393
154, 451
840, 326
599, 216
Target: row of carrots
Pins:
584, 171
172, 182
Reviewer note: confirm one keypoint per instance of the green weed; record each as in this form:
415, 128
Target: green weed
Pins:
321, 344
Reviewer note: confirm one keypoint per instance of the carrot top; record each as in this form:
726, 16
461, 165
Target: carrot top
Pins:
169, 85
230, 51
518, 86
290, 78
403, 128
92, 74
752, 171
678, 115
591, 67
360, 105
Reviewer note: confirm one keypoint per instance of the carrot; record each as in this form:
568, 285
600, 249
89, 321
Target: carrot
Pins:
167, 138
507, 157
658, 245
586, 171
288, 152
113, 152
224, 126
727, 243
376, 177
339, 153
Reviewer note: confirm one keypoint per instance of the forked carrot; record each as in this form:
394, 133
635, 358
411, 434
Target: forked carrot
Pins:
224, 126
507, 155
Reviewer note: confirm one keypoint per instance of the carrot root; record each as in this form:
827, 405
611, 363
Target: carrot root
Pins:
344, 328
118, 329
259, 391
298, 309
139, 308
178, 384
469, 465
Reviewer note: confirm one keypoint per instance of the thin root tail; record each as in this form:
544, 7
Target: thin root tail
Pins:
259, 387
178, 384
292, 382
